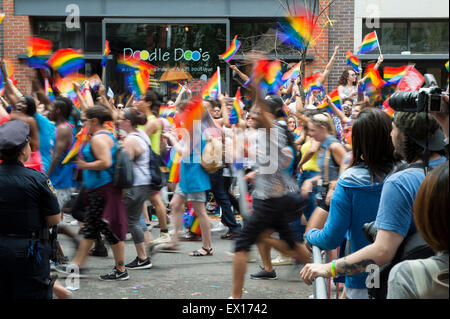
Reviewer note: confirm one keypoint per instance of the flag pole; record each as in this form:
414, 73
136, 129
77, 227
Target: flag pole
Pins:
219, 80
379, 45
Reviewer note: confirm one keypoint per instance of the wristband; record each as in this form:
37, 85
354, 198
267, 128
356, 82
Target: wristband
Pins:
333, 268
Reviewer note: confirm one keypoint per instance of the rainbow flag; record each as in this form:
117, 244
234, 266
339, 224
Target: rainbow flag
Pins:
38, 50
173, 162
80, 139
369, 43
446, 66
352, 61
334, 95
232, 50
297, 30
292, 73
194, 111
179, 88
105, 54
324, 106
393, 75
139, 82
66, 61
95, 82
167, 111
386, 108
267, 75
132, 64
374, 76
235, 113
313, 83
48, 90
190, 220
2, 16
213, 87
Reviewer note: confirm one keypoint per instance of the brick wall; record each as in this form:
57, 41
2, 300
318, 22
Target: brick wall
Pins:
16, 30
340, 34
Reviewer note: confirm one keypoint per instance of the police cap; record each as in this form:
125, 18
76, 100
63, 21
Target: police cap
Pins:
14, 135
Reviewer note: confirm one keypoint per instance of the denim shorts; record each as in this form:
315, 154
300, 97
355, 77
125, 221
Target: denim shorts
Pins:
192, 197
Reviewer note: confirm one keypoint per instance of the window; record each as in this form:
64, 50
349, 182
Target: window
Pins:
416, 36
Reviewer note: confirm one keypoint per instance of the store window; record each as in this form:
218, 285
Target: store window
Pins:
415, 36
193, 47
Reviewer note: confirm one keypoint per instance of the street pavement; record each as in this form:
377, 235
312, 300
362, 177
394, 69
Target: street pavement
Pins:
180, 276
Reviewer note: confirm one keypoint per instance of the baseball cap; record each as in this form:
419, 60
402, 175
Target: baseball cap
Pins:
415, 126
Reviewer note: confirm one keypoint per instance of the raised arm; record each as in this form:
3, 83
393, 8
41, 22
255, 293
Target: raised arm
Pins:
329, 66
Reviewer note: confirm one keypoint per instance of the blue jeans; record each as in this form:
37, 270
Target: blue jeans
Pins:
297, 228
223, 200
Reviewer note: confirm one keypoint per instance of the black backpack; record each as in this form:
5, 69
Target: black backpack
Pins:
123, 170
291, 142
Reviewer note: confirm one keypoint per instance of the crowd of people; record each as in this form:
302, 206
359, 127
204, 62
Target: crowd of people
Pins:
316, 176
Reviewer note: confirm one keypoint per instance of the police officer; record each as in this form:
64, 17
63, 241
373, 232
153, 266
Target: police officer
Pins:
28, 206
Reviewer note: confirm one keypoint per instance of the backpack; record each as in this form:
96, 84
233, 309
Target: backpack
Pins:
123, 170
291, 142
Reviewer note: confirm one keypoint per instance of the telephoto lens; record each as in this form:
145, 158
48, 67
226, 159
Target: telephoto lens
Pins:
405, 102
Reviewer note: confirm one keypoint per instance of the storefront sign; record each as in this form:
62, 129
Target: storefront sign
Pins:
158, 55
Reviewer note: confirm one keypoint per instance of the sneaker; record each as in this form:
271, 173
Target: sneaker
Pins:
163, 248
163, 238
140, 264
116, 274
219, 227
282, 260
252, 258
263, 274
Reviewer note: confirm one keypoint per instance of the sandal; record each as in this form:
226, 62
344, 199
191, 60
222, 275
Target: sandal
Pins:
197, 253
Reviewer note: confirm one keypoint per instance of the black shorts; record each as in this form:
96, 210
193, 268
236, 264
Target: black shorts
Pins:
267, 214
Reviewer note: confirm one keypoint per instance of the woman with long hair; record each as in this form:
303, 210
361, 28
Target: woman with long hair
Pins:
358, 190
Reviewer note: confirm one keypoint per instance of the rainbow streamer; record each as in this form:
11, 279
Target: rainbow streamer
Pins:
105, 53
235, 114
80, 139
232, 50
352, 61
369, 43
212, 88
66, 61
292, 73
297, 30
2, 16
393, 75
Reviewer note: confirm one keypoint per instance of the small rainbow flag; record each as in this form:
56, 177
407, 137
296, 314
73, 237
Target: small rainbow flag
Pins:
313, 83
334, 95
324, 105
193, 111
235, 113
213, 87
292, 73
393, 75
374, 76
105, 54
80, 139
95, 82
267, 75
369, 43
66, 61
297, 30
48, 90
190, 220
167, 111
2, 16
352, 61
232, 50
39, 47
179, 88
173, 162
139, 82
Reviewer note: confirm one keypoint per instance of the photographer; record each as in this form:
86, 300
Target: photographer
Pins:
394, 218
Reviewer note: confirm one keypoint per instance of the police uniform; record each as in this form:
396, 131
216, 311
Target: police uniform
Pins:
26, 198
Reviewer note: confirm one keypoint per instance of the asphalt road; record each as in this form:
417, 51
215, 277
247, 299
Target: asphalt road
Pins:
180, 276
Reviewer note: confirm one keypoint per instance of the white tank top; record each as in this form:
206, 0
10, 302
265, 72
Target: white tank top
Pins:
141, 169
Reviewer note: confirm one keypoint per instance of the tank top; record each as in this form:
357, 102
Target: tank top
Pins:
333, 167
63, 174
310, 165
141, 169
154, 138
92, 178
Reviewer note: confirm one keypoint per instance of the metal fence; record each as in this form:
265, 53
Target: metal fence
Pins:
320, 284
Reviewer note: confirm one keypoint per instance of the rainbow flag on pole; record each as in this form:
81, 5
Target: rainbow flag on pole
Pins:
38, 49
292, 73
352, 61
231, 51
105, 53
80, 139
298, 29
173, 162
235, 113
334, 95
212, 89
369, 43
66, 61
139, 82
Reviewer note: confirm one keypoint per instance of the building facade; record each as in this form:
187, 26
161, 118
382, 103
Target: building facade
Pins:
191, 34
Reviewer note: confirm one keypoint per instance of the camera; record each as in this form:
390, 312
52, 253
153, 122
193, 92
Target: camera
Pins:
429, 99
370, 231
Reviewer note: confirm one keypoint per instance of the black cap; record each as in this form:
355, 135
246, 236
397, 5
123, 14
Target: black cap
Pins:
13, 135
275, 104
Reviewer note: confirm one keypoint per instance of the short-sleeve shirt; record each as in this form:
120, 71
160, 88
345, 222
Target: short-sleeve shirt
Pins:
26, 197
397, 198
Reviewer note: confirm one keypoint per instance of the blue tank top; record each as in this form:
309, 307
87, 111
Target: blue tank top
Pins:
94, 179
333, 167
62, 176
193, 178
46, 139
